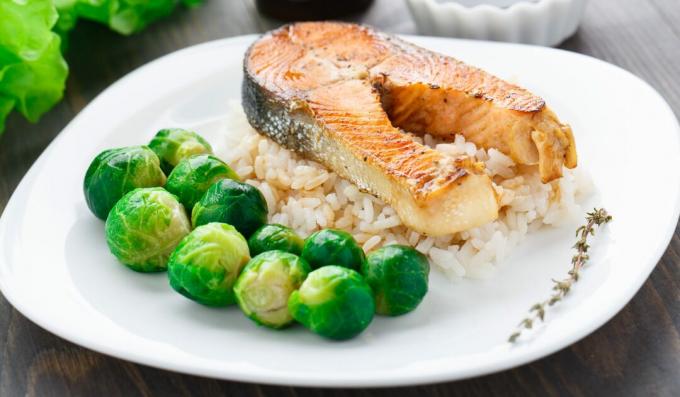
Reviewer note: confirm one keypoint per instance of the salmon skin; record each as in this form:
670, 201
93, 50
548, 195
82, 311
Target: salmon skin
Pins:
341, 94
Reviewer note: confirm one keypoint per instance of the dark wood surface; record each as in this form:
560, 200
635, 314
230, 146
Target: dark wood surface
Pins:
636, 353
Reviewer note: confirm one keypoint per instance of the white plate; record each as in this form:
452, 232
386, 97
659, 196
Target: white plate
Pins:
56, 270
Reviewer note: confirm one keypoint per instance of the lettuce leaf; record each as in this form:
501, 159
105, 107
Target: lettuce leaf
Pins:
32, 70
123, 16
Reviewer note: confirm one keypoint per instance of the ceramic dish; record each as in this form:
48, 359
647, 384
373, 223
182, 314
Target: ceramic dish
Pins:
55, 267
540, 22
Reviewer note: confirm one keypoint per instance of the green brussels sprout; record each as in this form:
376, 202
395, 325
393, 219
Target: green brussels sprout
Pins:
333, 247
173, 145
265, 284
115, 172
144, 227
398, 276
232, 202
194, 175
275, 237
206, 263
334, 301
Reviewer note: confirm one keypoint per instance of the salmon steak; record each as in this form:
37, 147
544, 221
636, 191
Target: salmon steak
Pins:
343, 95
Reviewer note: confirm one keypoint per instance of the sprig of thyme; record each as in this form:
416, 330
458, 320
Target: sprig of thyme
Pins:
561, 288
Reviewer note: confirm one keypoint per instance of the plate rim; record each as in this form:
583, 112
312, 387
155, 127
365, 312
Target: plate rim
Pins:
268, 376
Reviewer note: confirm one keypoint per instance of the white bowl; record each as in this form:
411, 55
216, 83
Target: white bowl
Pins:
541, 22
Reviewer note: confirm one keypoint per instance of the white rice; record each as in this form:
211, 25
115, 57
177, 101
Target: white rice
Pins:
306, 196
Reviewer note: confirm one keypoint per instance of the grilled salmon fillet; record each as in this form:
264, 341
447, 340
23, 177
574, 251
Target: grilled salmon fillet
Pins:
340, 94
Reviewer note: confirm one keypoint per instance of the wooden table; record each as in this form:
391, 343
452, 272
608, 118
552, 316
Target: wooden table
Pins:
636, 353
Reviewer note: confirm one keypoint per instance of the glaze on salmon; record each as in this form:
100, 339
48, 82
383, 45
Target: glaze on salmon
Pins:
341, 93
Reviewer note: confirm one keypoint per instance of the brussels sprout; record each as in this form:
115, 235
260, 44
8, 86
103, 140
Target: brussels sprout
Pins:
206, 263
232, 202
172, 145
144, 227
334, 302
398, 277
263, 288
194, 175
115, 172
275, 237
333, 247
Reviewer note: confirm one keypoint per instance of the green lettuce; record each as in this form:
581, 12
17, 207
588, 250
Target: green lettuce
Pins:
32, 70
123, 16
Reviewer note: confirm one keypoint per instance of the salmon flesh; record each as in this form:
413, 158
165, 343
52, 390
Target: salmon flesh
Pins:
342, 94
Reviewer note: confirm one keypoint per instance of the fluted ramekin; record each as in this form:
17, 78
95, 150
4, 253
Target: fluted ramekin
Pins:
540, 22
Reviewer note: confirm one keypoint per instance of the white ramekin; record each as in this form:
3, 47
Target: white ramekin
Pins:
541, 22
